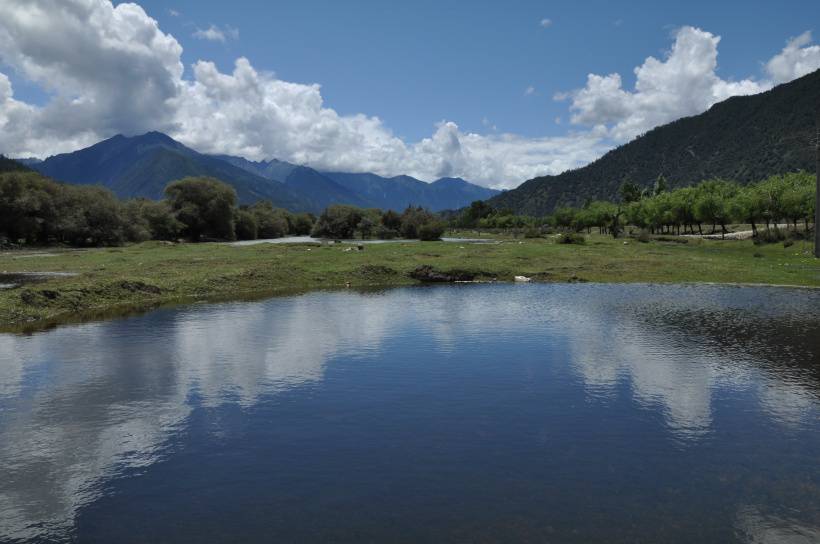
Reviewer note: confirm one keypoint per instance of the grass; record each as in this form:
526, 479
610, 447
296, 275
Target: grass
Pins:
150, 274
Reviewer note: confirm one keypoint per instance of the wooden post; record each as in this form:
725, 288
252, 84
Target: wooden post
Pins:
817, 196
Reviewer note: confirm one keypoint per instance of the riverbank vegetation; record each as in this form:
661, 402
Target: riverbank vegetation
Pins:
708, 207
35, 210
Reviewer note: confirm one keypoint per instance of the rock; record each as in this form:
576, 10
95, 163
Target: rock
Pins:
523, 279
427, 273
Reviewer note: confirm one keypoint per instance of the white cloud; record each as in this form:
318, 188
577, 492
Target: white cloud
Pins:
112, 70
529, 91
684, 83
215, 34
797, 59
545, 23
173, 13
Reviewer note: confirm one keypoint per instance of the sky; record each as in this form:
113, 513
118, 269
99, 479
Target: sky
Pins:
494, 92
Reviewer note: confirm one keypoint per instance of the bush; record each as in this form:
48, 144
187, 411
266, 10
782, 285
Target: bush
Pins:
431, 231
338, 221
643, 237
532, 232
571, 238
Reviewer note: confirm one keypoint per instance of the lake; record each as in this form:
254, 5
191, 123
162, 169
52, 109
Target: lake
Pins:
467, 413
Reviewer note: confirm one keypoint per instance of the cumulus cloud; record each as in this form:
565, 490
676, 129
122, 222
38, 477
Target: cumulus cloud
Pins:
215, 34
545, 23
797, 59
122, 74
684, 83
529, 91
109, 70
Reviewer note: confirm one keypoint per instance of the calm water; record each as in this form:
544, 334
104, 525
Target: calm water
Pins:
518, 413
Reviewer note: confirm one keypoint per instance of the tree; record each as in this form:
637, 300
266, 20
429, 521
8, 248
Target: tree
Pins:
27, 206
477, 211
431, 231
391, 220
712, 204
270, 222
629, 192
564, 217
661, 185
302, 224
205, 206
246, 225
412, 219
338, 221
157, 216
748, 205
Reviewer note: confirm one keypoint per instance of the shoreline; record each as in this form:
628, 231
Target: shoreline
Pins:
141, 277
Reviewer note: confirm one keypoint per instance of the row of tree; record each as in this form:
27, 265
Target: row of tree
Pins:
788, 198
342, 221
37, 210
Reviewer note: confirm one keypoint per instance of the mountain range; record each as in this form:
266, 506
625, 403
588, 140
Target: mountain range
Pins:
744, 138
141, 166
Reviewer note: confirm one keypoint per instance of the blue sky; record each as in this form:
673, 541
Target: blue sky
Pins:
426, 88
416, 63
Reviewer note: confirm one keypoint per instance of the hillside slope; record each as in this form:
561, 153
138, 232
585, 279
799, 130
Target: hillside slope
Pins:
744, 138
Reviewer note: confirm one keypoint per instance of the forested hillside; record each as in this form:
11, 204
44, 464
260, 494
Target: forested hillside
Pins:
745, 138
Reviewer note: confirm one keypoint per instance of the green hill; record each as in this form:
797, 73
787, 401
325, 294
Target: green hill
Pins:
744, 138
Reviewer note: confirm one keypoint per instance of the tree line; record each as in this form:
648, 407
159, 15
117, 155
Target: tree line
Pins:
37, 210
343, 221
714, 204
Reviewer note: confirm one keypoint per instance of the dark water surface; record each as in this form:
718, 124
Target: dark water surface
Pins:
517, 413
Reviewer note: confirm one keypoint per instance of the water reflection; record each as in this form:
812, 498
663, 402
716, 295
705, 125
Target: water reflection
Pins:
84, 406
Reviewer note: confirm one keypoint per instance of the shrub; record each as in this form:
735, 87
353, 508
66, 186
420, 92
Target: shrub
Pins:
431, 231
532, 232
338, 221
571, 238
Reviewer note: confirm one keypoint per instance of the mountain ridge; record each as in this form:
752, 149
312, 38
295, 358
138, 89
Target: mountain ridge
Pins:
142, 165
744, 138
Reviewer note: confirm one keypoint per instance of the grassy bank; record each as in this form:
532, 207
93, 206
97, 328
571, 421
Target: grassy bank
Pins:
152, 273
